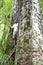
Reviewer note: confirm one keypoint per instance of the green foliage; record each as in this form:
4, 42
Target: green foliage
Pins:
41, 5
5, 19
3, 58
1, 3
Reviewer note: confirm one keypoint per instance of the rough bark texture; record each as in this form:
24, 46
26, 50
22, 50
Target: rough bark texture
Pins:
23, 54
37, 39
30, 41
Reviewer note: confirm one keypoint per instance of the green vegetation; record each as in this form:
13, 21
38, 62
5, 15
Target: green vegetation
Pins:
5, 19
41, 5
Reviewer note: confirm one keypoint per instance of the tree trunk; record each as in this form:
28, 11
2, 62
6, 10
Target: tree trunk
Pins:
23, 54
37, 39
30, 41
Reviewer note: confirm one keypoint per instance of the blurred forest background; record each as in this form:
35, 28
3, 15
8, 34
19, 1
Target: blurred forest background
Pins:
29, 47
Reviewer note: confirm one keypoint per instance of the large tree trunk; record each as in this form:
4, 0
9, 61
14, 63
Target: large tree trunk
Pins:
30, 41
23, 54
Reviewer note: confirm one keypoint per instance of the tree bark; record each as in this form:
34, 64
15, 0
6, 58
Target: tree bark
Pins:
23, 54
30, 40
37, 38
